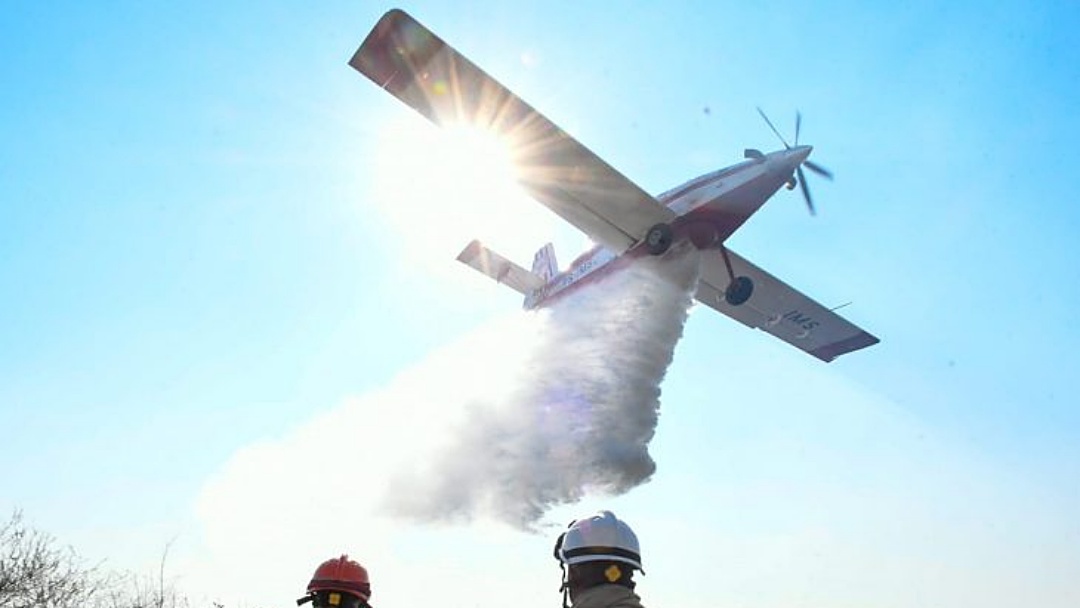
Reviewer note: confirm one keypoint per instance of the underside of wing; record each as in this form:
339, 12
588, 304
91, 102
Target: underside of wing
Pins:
413, 64
780, 310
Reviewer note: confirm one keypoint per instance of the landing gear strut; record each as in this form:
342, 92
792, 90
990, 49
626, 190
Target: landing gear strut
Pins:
740, 288
658, 239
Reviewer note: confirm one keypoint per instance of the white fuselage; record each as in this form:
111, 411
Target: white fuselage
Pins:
710, 208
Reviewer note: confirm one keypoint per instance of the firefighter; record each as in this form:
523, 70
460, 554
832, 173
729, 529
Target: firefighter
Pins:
338, 583
598, 557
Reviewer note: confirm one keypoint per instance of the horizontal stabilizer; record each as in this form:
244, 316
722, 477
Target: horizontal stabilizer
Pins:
499, 268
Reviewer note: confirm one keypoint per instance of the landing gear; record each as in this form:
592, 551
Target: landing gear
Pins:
740, 288
739, 291
658, 239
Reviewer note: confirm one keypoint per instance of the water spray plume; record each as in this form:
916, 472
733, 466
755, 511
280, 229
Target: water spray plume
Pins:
580, 414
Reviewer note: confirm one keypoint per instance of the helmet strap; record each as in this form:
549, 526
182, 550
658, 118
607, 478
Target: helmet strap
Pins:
564, 587
351, 600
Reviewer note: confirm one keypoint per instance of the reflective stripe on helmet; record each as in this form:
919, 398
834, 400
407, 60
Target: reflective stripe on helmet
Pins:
361, 589
596, 552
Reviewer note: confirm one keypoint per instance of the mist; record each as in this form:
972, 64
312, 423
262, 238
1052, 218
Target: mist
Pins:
577, 416
528, 412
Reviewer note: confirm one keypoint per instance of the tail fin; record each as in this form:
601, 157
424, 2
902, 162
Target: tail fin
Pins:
544, 264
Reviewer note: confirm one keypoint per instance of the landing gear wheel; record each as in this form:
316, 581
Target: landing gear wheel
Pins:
738, 291
658, 239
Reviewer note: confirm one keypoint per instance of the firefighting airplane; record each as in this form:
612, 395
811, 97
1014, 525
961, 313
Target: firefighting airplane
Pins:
420, 69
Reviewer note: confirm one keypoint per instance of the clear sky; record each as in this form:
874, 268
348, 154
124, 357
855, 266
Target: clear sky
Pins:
230, 310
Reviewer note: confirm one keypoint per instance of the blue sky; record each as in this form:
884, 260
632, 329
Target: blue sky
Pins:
218, 241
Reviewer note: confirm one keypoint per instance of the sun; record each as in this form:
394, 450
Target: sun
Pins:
439, 188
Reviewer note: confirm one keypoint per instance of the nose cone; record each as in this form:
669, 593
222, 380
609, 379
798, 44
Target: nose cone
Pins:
798, 154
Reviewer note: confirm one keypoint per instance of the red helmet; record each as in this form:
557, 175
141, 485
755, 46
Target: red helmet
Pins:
341, 574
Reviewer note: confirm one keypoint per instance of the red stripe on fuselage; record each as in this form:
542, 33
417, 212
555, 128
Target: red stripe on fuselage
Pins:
722, 215
595, 275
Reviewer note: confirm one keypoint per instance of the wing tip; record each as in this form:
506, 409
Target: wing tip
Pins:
397, 42
859, 341
471, 251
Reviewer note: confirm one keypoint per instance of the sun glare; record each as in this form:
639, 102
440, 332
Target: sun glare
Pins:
441, 188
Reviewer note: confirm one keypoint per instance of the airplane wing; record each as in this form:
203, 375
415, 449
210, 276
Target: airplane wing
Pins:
780, 310
413, 64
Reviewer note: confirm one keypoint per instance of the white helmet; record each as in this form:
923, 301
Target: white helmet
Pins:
602, 537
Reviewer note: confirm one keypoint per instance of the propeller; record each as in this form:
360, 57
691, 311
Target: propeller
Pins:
800, 176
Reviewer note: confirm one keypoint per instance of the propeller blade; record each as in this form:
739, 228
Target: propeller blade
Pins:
798, 123
805, 191
769, 122
816, 168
